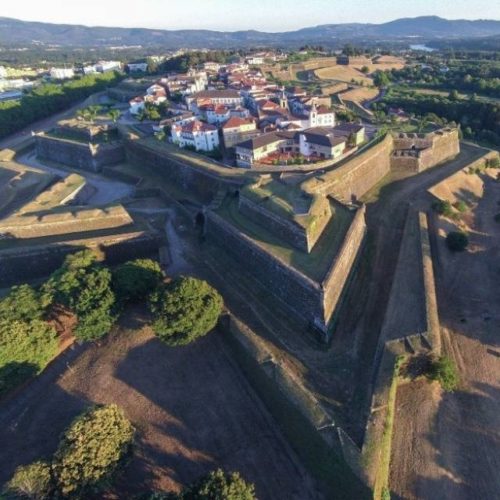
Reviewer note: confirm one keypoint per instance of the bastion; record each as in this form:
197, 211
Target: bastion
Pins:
81, 144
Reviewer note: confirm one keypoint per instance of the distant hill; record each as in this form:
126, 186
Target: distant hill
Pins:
15, 32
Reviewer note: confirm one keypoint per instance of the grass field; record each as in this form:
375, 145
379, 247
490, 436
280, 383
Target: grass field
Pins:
343, 73
359, 94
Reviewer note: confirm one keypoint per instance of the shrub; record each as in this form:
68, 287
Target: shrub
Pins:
25, 350
457, 241
31, 481
23, 303
494, 162
91, 450
461, 206
445, 372
83, 286
218, 485
136, 279
443, 207
184, 310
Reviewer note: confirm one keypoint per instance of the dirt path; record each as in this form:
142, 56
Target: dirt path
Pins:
106, 190
188, 420
456, 437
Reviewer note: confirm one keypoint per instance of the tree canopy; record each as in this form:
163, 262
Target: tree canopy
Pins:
83, 286
136, 279
184, 310
91, 449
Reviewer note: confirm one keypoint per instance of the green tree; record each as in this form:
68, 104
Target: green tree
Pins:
184, 310
83, 286
218, 485
23, 303
25, 350
91, 450
381, 79
457, 241
443, 207
136, 279
114, 114
445, 372
31, 481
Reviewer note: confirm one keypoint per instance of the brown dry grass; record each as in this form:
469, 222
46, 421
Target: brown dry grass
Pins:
342, 73
192, 408
360, 94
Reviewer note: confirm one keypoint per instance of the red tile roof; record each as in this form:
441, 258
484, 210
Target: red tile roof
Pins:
236, 121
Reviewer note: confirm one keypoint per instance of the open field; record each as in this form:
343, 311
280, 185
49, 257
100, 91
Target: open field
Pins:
186, 425
456, 440
343, 73
359, 94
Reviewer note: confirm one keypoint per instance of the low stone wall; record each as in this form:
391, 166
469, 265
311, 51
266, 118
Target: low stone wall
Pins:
396, 346
335, 281
24, 264
324, 448
72, 221
80, 155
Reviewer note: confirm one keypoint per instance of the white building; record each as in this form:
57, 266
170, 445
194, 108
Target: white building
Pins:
137, 67
227, 97
136, 105
105, 66
198, 135
3, 72
89, 70
321, 117
62, 73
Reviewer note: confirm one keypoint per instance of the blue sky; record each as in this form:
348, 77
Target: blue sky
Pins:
266, 15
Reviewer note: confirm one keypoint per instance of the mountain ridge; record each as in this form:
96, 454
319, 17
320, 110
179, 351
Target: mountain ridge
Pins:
15, 31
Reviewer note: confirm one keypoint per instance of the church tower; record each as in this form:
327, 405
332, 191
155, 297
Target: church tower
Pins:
313, 116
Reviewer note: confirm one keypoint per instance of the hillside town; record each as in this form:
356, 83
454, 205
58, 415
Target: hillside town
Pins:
253, 262
233, 111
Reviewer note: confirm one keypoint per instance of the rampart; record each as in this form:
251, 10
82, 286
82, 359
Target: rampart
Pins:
301, 236
344, 262
356, 176
82, 155
411, 326
418, 152
297, 290
19, 265
65, 222
308, 426
202, 183
315, 302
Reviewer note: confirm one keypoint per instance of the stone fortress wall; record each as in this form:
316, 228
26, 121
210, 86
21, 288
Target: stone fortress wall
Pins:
86, 156
302, 237
22, 264
418, 152
66, 222
315, 301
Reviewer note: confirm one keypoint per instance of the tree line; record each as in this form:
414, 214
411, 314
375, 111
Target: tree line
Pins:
50, 98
